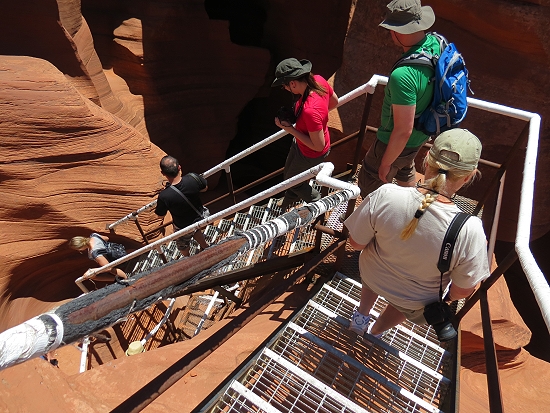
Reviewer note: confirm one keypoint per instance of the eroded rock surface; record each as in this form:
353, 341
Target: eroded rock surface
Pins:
68, 168
81, 101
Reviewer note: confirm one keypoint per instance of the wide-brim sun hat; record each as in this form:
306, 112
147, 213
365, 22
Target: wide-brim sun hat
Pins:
135, 347
457, 149
408, 16
290, 69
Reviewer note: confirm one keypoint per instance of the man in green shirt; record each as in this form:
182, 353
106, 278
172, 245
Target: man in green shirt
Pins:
408, 92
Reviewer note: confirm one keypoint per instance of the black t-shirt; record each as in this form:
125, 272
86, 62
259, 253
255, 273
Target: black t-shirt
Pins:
182, 213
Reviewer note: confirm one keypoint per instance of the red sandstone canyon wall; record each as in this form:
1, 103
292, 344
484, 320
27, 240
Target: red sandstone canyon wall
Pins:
68, 168
91, 98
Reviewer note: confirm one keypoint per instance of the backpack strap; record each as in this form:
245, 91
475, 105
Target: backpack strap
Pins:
186, 199
449, 242
423, 58
196, 178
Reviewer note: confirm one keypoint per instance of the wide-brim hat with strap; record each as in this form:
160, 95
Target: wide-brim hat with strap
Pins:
290, 69
408, 16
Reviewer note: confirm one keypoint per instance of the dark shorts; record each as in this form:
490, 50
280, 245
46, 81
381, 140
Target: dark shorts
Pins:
402, 169
184, 241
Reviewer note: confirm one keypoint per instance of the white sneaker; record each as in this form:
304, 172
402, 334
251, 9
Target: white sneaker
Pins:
359, 323
377, 335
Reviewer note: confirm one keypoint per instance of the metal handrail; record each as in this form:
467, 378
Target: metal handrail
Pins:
368, 87
321, 173
534, 275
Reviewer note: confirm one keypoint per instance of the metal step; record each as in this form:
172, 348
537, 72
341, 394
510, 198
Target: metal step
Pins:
315, 363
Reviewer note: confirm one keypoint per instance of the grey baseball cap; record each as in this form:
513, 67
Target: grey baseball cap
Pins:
458, 149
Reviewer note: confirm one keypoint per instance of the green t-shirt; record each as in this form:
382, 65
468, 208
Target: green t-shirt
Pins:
409, 85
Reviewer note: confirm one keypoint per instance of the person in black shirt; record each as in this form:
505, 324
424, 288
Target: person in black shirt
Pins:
185, 206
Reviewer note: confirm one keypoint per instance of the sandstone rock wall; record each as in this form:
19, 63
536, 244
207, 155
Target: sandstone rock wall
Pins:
68, 168
505, 45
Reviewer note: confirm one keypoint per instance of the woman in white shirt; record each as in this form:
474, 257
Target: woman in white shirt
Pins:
400, 230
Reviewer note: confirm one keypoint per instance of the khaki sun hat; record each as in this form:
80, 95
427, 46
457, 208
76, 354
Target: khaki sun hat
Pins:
458, 149
408, 16
290, 69
135, 347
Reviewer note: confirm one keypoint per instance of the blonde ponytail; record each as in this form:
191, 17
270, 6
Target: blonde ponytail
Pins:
77, 243
435, 187
411, 227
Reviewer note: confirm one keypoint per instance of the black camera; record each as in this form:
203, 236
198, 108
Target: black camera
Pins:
439, 315
286, 114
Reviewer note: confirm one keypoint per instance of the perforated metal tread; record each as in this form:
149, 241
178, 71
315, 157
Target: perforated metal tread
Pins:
315, 364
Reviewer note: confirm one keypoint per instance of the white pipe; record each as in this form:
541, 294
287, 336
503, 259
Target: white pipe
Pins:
84, 354
289, 183
501, 110
33, 338
161, 322
132, 215
206, 313
534, 275
225, 164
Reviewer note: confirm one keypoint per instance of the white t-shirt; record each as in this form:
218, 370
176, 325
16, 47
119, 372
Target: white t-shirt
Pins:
405, 272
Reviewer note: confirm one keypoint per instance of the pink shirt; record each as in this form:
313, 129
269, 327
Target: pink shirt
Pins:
314, 117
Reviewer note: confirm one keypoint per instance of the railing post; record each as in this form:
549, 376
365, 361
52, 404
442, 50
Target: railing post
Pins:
141, 231
230, 183
485, 285
320, 220
491, 362
361, 135
345, 232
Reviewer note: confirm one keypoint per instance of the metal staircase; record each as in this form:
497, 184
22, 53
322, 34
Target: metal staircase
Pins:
203, 310
256, 215
315, 364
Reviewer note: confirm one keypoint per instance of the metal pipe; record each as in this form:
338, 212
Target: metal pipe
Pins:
141, 231
491, 361
229, 178
321, 173
534, 275
362, 132
160, 324
327, 230
132, 215
496, 217
206, 313
84, 354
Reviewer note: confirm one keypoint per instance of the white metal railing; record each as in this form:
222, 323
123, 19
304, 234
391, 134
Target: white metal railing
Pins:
534, 275
368, 87
321, 173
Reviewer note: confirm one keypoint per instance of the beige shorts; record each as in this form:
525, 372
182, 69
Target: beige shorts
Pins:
402, 169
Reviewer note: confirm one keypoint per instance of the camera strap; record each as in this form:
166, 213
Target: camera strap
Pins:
186, 200
301, 107
449, 242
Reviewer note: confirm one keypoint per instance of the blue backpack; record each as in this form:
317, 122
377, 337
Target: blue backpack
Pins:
449, 104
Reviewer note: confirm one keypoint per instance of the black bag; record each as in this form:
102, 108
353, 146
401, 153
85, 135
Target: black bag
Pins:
114, 251
286, 114
111, 252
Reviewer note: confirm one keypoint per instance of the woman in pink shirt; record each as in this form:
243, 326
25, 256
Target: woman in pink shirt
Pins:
311, 143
